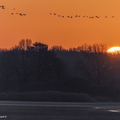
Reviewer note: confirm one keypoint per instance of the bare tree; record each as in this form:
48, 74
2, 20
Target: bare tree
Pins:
23, 44
57, 48
95, 64
102, 48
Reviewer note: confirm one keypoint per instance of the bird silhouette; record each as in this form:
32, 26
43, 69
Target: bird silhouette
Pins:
97, 16
20, 14
69, 16
3, 7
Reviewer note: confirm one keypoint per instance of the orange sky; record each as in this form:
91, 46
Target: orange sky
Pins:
38, 25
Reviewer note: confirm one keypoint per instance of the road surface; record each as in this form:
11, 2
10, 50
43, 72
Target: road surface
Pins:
58, 111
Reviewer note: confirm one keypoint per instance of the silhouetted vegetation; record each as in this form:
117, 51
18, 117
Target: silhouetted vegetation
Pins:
28, 68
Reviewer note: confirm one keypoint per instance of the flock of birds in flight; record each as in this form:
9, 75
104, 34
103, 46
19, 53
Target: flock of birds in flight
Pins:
78, 16
62, 16
13, 13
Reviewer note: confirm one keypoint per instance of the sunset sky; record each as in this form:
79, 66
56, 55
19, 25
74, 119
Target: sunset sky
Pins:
38, 25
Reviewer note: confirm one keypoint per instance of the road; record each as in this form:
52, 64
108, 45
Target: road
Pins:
13, 110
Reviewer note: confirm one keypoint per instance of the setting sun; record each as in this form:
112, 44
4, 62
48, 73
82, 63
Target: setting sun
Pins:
114, 50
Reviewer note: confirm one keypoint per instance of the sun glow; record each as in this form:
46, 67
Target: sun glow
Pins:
114, 50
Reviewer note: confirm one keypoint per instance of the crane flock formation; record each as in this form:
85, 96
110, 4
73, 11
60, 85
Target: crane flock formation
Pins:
78, 16
14, 13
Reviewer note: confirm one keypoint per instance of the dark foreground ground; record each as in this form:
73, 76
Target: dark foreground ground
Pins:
59, 111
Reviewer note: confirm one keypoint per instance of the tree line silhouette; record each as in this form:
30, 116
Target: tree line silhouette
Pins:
91, 70
85, 69
29, 67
